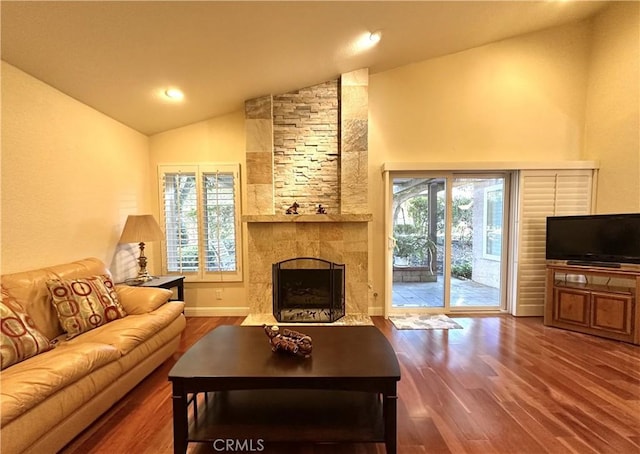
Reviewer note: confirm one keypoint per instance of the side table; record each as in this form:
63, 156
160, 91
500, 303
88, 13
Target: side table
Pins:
167, 282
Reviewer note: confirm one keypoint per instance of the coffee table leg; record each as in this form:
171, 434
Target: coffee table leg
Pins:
180, 419
389, 413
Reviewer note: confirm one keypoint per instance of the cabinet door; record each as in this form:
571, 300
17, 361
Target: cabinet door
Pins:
572, 306
611, 312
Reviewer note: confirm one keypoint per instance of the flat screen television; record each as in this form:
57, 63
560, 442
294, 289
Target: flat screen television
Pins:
608, 239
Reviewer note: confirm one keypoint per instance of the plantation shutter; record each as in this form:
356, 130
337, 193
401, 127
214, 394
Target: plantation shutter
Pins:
180, 221
543, 193
219, 221
200, 212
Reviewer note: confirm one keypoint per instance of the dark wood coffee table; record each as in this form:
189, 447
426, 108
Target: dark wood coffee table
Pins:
345, 392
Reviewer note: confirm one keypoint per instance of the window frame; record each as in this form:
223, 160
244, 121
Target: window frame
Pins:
201, 169
485, 223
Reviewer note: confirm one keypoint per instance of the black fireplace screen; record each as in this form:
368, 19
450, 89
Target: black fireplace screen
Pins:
308, 289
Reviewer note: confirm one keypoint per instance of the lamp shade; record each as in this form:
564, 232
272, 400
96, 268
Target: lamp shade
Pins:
141, 228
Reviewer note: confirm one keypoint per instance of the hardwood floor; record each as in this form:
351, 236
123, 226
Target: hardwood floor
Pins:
499, 385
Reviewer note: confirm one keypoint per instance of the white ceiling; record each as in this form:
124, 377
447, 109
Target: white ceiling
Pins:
117, 56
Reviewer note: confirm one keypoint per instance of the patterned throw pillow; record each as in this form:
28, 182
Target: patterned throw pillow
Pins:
85, 304
19, 338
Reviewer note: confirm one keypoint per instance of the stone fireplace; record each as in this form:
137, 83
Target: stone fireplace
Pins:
309, 147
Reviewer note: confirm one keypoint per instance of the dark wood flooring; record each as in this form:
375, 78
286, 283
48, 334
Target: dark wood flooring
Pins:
499, 385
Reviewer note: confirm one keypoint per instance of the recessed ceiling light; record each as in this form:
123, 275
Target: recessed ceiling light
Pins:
366, 41
174, 94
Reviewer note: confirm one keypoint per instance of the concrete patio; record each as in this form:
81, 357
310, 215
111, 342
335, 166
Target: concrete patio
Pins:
464, 293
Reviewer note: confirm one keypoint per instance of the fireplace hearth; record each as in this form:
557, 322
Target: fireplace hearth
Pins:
308, 289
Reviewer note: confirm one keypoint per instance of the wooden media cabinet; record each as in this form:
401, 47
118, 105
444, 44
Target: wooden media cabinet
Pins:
596, 300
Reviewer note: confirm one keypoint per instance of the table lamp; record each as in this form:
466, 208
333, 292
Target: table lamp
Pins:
138, 229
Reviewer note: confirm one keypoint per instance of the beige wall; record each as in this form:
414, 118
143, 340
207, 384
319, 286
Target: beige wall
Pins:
613, 107
220, 139
70, 176
521, 99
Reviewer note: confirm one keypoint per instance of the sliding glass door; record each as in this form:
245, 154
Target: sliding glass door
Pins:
448, 236
477, 228
418, 219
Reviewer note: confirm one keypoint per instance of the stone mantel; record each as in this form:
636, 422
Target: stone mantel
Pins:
366, 217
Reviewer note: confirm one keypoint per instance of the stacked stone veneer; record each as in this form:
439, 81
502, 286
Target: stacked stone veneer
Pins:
290, 145
305, 148
291, 156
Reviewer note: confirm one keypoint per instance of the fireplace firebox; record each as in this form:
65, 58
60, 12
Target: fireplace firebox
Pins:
307, 290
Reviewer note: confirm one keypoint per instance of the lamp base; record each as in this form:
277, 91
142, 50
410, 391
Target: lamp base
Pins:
143, 277
135, 281
143, 274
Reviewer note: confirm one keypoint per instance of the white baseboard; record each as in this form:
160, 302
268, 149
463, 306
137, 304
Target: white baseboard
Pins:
216, 311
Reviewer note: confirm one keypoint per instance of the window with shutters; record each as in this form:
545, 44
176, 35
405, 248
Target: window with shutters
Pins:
200, 207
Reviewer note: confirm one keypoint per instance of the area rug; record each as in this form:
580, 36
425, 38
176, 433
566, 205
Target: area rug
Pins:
414, 321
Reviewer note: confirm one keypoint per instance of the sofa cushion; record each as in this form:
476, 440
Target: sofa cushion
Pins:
142, 300
128, 333
84, 304
28, 383
19, 337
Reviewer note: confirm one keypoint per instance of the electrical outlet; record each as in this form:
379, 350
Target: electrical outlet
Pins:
218, 294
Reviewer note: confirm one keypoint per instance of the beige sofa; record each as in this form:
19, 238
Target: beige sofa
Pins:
48, 399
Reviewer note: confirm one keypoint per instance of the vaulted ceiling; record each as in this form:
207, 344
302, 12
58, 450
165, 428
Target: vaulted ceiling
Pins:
119, 57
